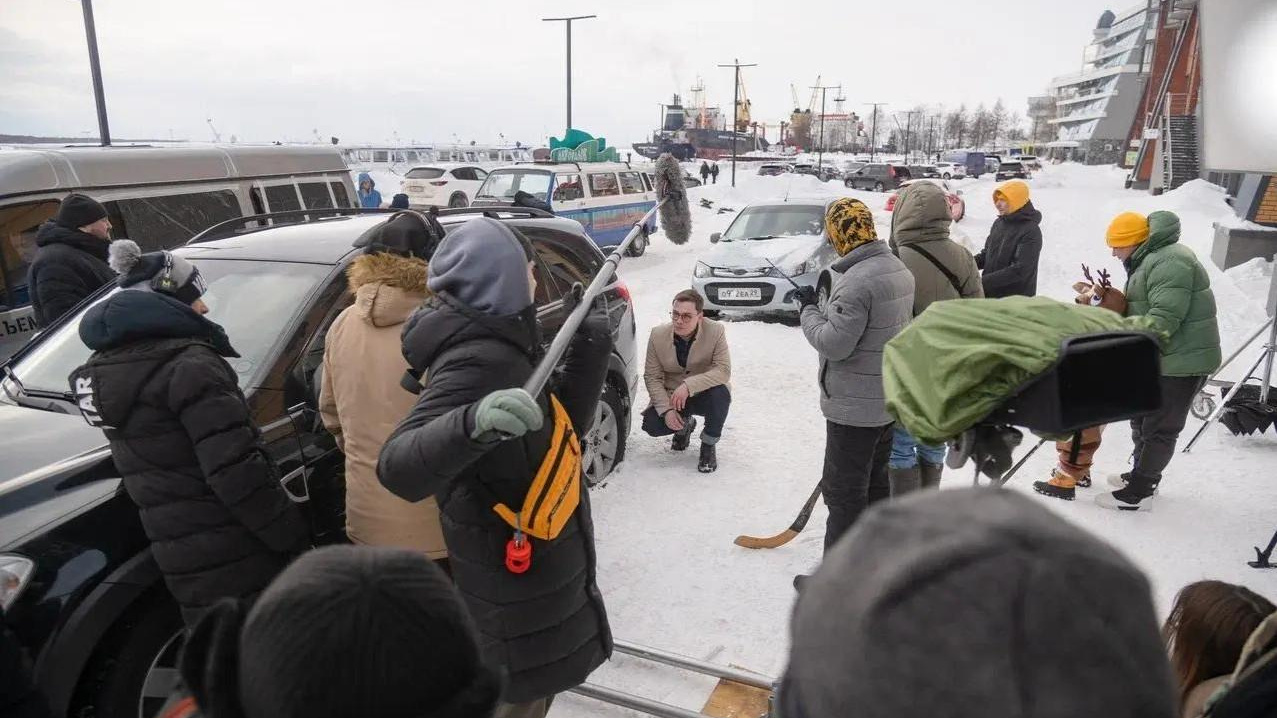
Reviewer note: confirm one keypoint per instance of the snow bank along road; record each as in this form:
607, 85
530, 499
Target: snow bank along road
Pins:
668, 569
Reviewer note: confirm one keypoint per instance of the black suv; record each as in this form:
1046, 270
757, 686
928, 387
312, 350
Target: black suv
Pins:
77, 580
878, 177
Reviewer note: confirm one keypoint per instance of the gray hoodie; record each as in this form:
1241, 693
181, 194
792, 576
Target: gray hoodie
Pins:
975, 603
484, 264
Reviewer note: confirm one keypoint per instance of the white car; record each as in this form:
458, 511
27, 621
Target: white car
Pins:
442, 185
767, 249
951, 170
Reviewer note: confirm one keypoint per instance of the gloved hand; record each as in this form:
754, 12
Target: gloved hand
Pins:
805, 296
506, 414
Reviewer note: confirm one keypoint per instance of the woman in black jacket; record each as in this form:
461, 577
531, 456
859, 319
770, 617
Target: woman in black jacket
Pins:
473, 443
182, 436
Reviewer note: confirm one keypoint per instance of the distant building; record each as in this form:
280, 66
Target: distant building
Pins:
1095, 107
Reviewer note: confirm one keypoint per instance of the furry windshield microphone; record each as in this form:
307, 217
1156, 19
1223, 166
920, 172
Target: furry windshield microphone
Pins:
676, 217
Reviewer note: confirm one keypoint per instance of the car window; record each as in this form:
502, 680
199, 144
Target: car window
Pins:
464, 174
776, 221
631, 183
339, 191
424, 173
253, 301
647, 181
162, 222
603, 184
18, 226
282, 198
568, 187
502, 184
315, 195
478, 173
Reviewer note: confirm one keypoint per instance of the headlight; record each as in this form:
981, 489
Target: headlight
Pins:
15, 572
701, 271
794, 270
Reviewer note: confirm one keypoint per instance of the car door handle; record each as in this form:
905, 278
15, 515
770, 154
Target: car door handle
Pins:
304, 473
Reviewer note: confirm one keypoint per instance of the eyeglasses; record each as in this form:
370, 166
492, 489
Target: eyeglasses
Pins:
680, 316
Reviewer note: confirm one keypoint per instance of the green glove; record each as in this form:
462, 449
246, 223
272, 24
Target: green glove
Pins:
506, 414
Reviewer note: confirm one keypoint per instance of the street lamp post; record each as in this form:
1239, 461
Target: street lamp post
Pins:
820, 149
91, 34
736, 64
567, 21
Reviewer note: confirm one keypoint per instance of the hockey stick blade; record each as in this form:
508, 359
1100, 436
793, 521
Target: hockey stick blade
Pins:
788, 534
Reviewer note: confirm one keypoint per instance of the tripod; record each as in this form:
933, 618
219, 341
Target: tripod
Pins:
1265, 358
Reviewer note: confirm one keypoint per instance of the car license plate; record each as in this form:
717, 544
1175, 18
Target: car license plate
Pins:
745, 293
414, 188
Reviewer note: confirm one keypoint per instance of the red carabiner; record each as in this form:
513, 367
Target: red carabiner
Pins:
518, 554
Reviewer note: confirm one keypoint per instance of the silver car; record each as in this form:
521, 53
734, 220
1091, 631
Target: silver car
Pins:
767, 249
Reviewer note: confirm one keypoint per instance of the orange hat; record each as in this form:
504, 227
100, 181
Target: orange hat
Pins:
1015, 192
1128, 229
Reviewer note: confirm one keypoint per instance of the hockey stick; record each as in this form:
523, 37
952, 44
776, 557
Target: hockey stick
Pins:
788, 534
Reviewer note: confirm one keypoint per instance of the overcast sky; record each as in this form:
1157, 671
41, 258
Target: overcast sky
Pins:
425, 70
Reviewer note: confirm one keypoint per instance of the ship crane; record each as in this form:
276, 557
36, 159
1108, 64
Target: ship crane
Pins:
217, 137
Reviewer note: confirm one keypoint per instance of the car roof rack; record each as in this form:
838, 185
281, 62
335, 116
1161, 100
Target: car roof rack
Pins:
493, 212
547, 162
218, 231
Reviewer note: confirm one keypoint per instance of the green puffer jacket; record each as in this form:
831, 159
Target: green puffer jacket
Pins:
1169, 293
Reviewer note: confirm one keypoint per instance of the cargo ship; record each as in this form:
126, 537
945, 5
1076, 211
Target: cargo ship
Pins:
700, 133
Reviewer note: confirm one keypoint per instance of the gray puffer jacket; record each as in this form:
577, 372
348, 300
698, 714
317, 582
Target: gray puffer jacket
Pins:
871, 301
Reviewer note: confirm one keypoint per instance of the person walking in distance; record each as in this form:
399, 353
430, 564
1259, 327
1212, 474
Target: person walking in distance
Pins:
480, 447
361, 400
704, 172
688, 373
713, 172
182, 435
1169, 293
1010, 255
70, 259
870, 301
942, 270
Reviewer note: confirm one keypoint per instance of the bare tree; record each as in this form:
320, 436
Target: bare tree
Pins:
956, 126
1015, 128
998, 120
981, 123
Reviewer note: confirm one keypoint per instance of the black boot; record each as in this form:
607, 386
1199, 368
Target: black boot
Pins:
684, 437
709, 459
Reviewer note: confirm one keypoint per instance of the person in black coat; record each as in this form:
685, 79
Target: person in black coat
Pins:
182, 436
70, 262
1009, 259
472, 442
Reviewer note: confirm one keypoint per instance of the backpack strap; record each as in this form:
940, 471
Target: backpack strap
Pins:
953, 279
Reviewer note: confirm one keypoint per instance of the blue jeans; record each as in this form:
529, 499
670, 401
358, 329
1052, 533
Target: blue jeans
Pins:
907, 451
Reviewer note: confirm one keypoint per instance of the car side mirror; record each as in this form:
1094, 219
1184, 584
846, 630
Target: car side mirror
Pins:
713, 238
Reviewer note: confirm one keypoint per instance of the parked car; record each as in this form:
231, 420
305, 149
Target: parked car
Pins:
77, 579
442, 185
1030, 161
957, 205
772, 170
924, 171
691, 180
829, 173
737, 274
975, 162
878, 177
951, 170
1011, 169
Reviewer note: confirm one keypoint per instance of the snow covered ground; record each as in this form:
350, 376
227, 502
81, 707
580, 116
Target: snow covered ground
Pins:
667, 567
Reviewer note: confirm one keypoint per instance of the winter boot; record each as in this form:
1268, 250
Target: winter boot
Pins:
931, 475
709, 459
1124, 500
1122, 481
1059, 486
684, 437
904, 481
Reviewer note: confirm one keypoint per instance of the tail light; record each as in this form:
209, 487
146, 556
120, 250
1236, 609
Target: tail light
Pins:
439, 183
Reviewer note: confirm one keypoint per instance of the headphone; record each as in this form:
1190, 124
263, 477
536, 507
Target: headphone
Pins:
163, 281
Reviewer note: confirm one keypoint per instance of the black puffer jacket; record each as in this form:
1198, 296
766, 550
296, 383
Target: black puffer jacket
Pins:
68, 266
183, 439
1010, 255
547, 627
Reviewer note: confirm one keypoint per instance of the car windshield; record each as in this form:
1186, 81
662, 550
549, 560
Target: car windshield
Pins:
252, 300
776, 221
503, 184
424, 173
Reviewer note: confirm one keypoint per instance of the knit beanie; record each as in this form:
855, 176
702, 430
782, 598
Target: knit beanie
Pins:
849, 224
974, 603
406, 234
1015, 192
399, 201
484, 264
162, 272
362, 631
78, 210
1127, 230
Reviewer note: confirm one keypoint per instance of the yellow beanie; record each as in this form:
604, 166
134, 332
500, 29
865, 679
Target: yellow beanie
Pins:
1015, 192
849, 224
1127, 230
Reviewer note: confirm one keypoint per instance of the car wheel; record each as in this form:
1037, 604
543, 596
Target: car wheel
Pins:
712, 313
847, 183
134, 670
878, 187
458, 201
605, 444
638, 246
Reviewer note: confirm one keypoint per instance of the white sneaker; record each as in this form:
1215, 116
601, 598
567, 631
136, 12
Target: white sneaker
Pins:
1112, 501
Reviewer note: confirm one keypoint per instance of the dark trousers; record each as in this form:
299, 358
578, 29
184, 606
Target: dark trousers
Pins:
1155, 435
713, 404
855, 475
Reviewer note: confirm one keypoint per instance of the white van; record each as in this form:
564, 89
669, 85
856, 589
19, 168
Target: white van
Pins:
157, 196
607, 198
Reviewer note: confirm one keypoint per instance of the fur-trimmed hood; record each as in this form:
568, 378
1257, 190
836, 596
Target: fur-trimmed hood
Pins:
387, 288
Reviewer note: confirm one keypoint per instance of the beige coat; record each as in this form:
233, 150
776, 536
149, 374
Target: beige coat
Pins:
361, 401
709, 363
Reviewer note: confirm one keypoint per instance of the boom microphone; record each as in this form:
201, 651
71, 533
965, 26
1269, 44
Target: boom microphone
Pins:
676, 217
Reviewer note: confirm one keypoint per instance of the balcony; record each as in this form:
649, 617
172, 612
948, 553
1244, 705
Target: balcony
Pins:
1086, 98
1081, 117
1081, 77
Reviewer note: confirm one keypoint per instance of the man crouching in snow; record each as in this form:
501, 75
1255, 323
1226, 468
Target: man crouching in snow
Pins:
476, 445
687, 373
870, 301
